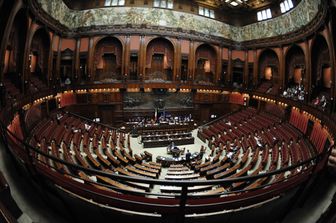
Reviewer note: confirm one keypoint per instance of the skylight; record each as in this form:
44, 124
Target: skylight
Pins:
114, 2
264, 14
286, 6
235, 3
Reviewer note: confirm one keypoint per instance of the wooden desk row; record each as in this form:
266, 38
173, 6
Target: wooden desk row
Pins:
165, 142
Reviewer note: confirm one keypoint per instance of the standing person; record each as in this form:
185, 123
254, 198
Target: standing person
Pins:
202, 151
188, 155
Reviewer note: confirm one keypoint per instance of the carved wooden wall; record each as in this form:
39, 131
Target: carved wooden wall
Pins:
159, 60
295, 59
108, 59
269, 59
205, 63
39, 51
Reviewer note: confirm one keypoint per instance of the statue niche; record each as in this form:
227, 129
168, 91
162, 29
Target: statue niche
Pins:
108, 60
205, 64
159, 60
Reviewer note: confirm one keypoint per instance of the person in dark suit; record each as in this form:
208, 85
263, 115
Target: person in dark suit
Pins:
202, 151
188, 155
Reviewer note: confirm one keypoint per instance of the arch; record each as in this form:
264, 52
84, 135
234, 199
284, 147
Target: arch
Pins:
108, 59
101, 38
5, 10
268, 66
160, 56
294, 66
39, 55
8, 13
321, 68
205, 64
14, 53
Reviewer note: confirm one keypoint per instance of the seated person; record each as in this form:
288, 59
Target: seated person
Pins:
174, 150
316, 101
323, 102
182, 151
169, 147
234, 148
207, 158
87, 127
229, 155
259, 141
285, 93
59, 116
67, 81
275, 140
74, 130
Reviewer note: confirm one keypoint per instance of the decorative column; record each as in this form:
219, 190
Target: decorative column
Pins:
142, 58
192, 61
246, 70
225, 73
58, 62
219, 65
5, 35
308, 73
282, 69
229, 74
177, 60
50, 60
77, 60
90, 59
255, 67
127, 56
123, 49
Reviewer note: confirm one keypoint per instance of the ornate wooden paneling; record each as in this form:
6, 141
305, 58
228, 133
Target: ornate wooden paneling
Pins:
207, 98
103, 98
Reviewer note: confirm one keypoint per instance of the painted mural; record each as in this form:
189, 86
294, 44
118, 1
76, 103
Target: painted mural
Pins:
301, 15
